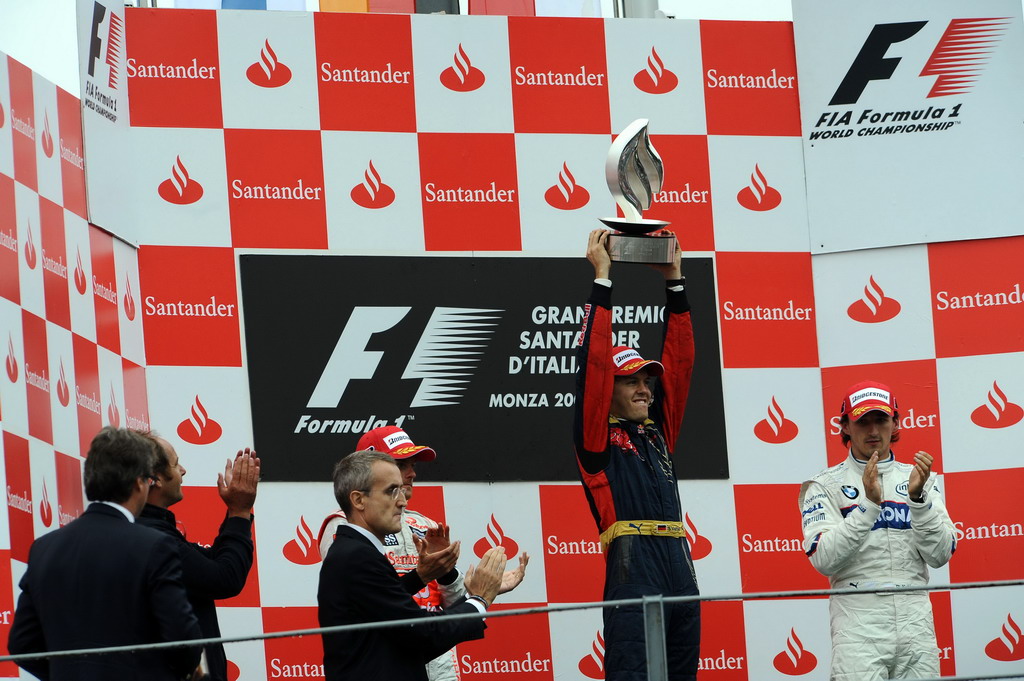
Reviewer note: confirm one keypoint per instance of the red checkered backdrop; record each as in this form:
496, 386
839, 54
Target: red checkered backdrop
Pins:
345, 221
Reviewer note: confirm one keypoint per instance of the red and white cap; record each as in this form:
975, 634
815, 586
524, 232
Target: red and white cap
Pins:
628, 361
868, 396
394, 441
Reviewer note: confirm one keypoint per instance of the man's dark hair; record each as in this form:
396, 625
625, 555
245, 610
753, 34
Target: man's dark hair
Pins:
845, 420
117, 458
163, 464
355, 472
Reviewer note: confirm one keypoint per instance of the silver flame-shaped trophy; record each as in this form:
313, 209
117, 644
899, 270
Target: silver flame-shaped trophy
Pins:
635, 173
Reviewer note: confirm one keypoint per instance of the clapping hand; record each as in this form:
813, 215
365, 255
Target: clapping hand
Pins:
237, 484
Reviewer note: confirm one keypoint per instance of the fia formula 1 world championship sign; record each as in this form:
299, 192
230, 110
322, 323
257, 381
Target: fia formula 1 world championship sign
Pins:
473, 356
911, 120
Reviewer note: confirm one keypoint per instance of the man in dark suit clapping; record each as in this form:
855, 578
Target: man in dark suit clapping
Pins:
104, 581
358, 584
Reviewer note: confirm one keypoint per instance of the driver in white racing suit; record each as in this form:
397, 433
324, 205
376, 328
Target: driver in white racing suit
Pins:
873, 522
402, 549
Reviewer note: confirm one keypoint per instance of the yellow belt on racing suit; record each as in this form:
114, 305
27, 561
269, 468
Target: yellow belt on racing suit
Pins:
657, 528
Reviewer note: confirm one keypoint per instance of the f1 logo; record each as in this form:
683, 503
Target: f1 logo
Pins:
955, 62
448, 348
871, 62
114, 39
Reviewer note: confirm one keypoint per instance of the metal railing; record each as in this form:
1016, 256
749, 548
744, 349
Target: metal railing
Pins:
653, 608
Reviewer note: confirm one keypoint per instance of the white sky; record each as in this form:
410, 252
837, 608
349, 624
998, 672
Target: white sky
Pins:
41, 33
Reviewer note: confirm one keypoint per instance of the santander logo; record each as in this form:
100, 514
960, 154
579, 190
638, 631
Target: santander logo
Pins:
874, 306
592, 665
566, 195
655, 79
112, 412
794, 660
998, 411
776, 429
759, 195
30, 249
46, 139
495, 537
199, 428
268, 71
372, 193
1009, 645
63, 392
462, 76
233, 671
700, 546
80, 280
129, 300
179, 188
45, 510
12, 361
302, 550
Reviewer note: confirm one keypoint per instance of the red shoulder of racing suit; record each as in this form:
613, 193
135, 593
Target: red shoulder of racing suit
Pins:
595, 381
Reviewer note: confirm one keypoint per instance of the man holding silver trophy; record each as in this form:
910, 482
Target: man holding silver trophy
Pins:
628, 415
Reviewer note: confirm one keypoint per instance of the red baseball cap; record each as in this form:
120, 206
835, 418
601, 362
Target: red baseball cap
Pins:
394, 441
628, 361
868, 396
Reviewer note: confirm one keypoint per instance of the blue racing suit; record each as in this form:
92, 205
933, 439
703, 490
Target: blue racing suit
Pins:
628, 477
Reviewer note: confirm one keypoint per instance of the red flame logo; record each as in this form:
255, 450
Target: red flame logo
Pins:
46, 139
268, 71
700, 546
129, 301
1009, 645
302, 549
998, 411
80, 281
462, 76
874, 306
759, 195
112, 413
12, 361
233, 671
495, 537
63, 393
592, 665
199, 428
566, 195
45, 512
372, 193
794, 660
179, 188
655, 79
776, 429
30, 249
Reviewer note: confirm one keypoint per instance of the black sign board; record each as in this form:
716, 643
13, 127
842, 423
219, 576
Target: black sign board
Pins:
472, 356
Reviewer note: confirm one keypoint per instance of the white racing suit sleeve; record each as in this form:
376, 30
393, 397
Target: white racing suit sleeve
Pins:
327, 529
830, 539
450, 593
933, 531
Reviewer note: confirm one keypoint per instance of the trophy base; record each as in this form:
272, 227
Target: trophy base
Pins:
641, 226
654, 250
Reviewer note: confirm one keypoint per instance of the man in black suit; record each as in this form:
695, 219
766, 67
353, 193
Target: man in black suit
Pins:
358, 584
103, 580
214, 572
